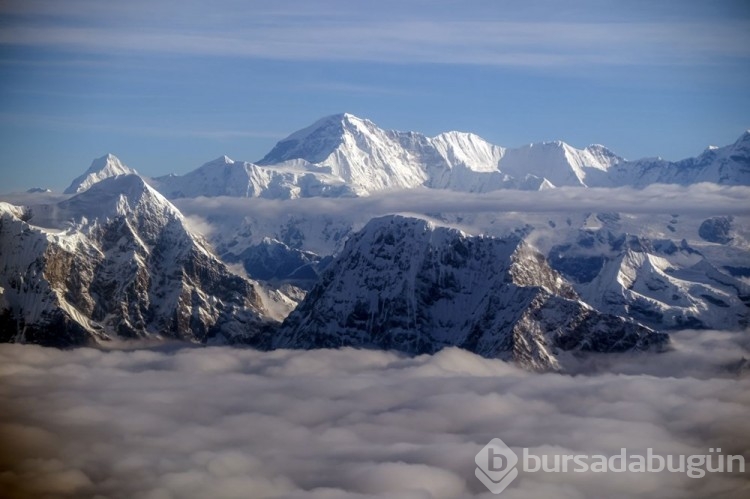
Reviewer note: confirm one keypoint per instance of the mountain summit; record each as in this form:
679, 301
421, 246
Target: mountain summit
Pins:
363, 155
316, 142
106, 166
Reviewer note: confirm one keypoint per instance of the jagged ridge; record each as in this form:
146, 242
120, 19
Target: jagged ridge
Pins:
126, 266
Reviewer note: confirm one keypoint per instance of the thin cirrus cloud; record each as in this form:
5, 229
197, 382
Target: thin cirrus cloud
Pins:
409, 37
168, 422
81, 123
543, 44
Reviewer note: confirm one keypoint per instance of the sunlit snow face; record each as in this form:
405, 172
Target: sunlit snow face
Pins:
221, 422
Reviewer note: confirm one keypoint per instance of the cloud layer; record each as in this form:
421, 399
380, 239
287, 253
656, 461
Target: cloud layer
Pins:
496, 213
218, 422
698, 199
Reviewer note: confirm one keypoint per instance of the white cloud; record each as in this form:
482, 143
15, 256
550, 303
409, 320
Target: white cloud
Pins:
199, 225
221, 422
698, 199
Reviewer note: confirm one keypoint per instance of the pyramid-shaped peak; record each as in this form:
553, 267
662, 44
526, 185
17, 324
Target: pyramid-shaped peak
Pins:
334, 123
220, 161
317, 141
744, 138
108, 161
340, 121
107, 166
342, 118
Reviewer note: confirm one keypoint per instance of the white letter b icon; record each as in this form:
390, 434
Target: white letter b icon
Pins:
496, 465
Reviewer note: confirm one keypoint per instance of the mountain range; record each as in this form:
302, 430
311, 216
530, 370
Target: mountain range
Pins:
342, 155
116, 259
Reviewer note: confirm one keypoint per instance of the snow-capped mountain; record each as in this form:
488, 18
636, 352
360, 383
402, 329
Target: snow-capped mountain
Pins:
560, 164
407, 284
343, 155
728, 165
117, 260
106, 166
364, 156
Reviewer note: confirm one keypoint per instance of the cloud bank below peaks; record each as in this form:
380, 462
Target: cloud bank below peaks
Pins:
220, 422
698, 199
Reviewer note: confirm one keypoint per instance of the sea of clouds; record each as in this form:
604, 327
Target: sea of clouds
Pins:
193, 422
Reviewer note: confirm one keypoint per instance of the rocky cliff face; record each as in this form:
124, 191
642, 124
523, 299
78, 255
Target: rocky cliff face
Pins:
405, 284
117, 261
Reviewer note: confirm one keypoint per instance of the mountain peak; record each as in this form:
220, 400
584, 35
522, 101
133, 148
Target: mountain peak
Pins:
220, 161
316, 142
341, 118
313, 143
107, 162
743, 139
107, 166
331, 123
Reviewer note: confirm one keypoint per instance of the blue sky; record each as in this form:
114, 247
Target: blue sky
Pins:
168, 85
